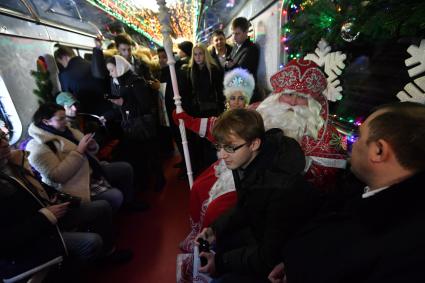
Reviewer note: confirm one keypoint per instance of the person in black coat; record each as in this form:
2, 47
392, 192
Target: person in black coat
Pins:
202, 85
136, 112
76, 78
201, 88
220, 50
273, 198
245, 54
377, 235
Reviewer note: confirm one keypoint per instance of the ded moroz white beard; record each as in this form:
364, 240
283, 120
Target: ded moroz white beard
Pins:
301, 121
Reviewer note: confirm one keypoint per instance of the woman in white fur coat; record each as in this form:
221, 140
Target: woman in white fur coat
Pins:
63, 157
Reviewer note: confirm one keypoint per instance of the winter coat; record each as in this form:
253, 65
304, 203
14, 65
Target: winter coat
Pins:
375, 239
66, 170
77, 79
273, 201
215, 56
27, 237
202, 94
137, 114
246, 57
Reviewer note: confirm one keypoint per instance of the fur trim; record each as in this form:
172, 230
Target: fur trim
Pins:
238, 80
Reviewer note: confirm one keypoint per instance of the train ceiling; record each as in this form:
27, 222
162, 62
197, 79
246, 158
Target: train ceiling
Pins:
190, 19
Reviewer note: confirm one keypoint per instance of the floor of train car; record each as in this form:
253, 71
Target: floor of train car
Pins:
152, 235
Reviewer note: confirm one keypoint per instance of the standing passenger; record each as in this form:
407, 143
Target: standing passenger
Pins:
220, 50
245, 54
76, 77
135, 106
203, 87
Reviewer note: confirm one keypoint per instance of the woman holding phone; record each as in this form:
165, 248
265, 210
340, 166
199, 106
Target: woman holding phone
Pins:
65, 158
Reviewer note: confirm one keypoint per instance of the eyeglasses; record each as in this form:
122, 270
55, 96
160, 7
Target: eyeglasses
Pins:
228, 148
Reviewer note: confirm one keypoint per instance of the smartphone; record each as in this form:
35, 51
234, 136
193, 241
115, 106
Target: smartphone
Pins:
93, 134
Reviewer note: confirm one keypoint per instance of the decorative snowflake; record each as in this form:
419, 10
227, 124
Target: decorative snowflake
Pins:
334, 64
415, 91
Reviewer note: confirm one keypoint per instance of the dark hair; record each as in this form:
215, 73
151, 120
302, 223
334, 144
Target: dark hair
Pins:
402, 125
123, 38
110, 60
46, 111
241, 23
244, 123
217, 32
160, 49
63, 51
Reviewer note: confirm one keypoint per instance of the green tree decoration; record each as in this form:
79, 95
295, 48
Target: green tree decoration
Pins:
345, 22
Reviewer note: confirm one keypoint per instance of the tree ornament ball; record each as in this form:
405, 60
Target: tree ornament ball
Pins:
347, 32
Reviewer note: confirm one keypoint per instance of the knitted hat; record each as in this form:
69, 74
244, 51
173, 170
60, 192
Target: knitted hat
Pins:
238, 80
186, 47
65, 99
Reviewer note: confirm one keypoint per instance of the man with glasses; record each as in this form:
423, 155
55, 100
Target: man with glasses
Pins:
273, 198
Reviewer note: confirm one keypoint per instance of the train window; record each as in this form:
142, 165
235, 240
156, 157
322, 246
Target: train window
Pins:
14, 5
64, 12
8, 114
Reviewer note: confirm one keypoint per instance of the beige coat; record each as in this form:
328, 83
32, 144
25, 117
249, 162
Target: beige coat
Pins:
66, 170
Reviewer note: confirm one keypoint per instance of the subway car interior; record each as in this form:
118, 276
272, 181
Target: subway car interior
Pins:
148, 141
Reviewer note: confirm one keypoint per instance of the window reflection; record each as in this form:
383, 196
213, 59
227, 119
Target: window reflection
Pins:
14, 5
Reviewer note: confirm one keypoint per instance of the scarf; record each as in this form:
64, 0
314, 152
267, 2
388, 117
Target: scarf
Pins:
122, 66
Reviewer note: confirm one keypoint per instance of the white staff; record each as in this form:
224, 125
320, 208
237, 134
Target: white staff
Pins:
164, 19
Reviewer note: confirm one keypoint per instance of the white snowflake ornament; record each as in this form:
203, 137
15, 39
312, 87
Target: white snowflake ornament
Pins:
334, 64
415, 91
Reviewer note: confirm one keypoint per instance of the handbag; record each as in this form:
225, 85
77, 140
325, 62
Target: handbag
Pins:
140, 128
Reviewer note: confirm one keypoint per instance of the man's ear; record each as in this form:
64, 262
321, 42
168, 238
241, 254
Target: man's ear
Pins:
46, 122
379, 151
255, 144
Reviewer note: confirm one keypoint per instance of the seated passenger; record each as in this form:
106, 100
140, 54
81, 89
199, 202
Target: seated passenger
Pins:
29, 220
216, 182
63, 157
69, 103
299, 107
377, 236
273, 199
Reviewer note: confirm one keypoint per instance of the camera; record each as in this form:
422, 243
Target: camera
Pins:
204, 246
62, 197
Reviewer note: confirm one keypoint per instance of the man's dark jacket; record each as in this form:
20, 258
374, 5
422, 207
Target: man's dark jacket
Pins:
246, 57
77, 79
273, 201
215, 56
27, 237
371, 240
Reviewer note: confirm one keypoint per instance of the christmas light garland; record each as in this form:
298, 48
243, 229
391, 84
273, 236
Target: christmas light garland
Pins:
184, 16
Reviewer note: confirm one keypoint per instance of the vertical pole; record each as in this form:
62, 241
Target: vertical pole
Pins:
164, 19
